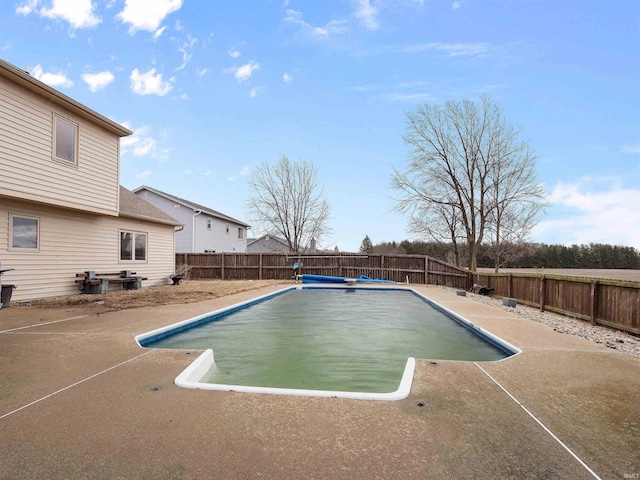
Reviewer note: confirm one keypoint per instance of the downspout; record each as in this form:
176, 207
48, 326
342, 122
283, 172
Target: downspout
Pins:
193, 238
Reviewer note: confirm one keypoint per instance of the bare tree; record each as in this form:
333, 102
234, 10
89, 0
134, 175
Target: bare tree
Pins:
462, 171
518, 200
288, 201
441, 223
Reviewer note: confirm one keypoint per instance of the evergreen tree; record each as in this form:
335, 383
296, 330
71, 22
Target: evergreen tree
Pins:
366, 246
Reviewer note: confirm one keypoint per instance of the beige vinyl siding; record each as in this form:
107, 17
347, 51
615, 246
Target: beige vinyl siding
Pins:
72, 242
26, 156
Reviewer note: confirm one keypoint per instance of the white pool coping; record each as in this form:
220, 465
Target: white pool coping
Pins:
192, 376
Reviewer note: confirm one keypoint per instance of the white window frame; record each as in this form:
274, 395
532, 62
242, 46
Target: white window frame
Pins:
134, 236
10, 239
76, 130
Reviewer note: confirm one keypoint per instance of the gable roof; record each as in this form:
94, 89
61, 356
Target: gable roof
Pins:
133, 206
25, 80
268, 236
191, 205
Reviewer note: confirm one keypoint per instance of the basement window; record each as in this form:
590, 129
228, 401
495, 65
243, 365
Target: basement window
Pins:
133, 246
24, 232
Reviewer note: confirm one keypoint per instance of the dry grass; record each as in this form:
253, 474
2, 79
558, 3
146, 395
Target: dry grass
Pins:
188, 292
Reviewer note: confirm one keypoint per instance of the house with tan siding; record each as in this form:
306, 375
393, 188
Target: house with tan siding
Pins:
62, 209
206, 230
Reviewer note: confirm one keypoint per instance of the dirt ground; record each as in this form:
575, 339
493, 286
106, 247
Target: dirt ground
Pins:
189, 291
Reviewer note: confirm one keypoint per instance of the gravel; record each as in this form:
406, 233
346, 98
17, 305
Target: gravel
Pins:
615, 339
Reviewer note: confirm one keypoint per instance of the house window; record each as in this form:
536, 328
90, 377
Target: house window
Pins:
240, 233
24, 232
65, 140
209, 223
227, 227
133, 246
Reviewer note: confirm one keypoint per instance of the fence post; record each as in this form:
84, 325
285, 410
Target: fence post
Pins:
222, 266
260, 268
382, 270
426, 270
594, 297
510, 286
543, 291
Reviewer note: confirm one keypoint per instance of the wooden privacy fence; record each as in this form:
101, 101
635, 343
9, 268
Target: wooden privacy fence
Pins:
612, 303
279, 266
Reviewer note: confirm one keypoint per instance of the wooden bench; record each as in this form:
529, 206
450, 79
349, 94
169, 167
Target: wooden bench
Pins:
98, 283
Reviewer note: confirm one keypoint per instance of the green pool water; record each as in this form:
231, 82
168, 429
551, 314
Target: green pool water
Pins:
330, 339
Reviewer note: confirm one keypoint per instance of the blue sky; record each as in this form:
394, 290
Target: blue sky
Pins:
213, 88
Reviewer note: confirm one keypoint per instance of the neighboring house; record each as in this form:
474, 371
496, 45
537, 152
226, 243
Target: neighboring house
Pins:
206, 230
267, 244
272, 244
62, 209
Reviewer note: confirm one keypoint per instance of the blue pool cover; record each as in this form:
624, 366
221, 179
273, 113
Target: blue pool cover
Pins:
308, 278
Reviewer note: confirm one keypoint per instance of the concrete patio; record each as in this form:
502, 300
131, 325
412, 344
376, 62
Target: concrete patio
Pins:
80, 399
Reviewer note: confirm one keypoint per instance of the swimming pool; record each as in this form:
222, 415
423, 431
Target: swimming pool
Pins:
354, 342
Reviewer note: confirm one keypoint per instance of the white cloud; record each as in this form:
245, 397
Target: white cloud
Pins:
243, 72
185, 49
149, 83
332, 28
253, 93
140, 144
586, 215
453, 49
98, 81
201, 71
408, 97
631, 148
456, 5
79, 13
27, 7
147, 15
57, 79
234, 52
144, 174
158, 32
367, 14
286, 78
242, 173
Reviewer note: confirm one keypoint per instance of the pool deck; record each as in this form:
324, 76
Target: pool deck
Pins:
80, 399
